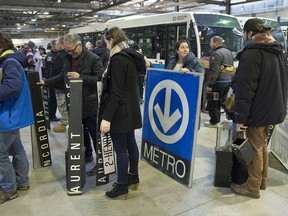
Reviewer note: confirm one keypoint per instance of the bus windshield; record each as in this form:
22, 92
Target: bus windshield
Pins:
210, 25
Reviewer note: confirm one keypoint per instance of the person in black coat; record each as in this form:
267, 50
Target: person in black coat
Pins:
102, 51
120, 110
260, 98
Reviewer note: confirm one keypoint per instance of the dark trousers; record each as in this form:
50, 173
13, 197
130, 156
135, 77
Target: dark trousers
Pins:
90, 130
52, 104
213, 106
127, 154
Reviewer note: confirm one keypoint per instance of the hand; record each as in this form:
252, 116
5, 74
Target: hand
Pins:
41, 82
184, 70
105, 126
73, 75
209, 89
240, 127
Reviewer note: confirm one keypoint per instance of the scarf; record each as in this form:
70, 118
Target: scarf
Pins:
117, 48
263, 38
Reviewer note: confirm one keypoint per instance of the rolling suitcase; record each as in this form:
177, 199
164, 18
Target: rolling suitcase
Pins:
224, 155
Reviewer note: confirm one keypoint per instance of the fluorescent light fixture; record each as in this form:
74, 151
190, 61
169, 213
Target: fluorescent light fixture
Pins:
58, 1
46, 13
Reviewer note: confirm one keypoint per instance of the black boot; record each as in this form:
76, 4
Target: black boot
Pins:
119, 191
133, 181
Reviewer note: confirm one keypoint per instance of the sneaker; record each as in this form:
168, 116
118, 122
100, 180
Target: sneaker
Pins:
118, 192
59, 128
242, 190
7, 196
208, 124
22, 187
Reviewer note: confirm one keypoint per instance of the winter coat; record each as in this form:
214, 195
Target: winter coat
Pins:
119, 99
190, 61
218, 57
90, 70
261, 85
15, 102
104, 54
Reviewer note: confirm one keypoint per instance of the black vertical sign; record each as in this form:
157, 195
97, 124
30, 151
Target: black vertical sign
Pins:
45, 92
46, 97
39, 116
75, 162
101, 177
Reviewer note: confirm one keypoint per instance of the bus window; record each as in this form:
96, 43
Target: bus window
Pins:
210, 25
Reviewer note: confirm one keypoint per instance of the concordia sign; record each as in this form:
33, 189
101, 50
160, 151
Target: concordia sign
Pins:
171, 119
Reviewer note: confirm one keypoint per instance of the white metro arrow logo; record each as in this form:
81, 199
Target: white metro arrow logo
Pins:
165, 119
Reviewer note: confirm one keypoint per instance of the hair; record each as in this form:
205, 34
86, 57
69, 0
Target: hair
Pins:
116, 34
181, 40
72, 38
53, 43
6, 42
61, 40
256, 25
217, 39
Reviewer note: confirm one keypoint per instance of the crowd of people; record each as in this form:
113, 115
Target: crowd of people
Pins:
260, 87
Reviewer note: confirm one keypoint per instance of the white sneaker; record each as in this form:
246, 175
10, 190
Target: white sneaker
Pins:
208, 124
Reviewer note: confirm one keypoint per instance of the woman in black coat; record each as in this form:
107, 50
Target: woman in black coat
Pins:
120, 110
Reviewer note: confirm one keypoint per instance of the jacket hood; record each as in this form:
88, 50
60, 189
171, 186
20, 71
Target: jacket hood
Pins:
19, 56
274, 48
137, 57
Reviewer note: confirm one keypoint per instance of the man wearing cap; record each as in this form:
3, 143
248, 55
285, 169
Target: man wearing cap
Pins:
261, 98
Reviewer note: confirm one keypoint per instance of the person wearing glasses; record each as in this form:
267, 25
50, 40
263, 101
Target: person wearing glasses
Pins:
119, 111
81, 63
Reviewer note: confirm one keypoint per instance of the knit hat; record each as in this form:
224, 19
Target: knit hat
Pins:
31, 44
251, 25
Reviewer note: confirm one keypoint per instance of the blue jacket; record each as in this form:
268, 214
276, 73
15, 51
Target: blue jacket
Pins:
190, 61
15, 102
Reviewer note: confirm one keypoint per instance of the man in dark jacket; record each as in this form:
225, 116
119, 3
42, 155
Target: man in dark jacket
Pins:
84, 64
218, 82
52, 103
102, 51
261, 98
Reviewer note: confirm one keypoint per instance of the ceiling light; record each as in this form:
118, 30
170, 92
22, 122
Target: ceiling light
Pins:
46, 13
19, 28
95, 16
33, 19
58, 1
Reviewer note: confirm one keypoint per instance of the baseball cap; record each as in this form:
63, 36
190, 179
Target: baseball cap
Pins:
31, 44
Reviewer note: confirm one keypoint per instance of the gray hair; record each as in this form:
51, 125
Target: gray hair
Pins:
72, 38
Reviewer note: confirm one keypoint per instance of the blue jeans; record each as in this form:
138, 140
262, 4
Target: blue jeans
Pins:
127, 153
16, 172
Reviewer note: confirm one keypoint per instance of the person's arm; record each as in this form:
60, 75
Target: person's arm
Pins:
12, 80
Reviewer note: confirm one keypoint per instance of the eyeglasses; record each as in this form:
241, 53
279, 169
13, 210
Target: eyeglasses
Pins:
72, 50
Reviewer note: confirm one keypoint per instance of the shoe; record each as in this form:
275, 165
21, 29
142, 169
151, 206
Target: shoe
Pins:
208, 124
22, 187
59, 128
93, 172
89, 159
118, 192
54, 119
242, 190
7, 196
133, 181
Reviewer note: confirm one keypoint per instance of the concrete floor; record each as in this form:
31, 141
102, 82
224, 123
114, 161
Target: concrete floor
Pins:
157, 195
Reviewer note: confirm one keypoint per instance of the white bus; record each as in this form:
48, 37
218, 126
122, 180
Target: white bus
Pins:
157, 34
276, 31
